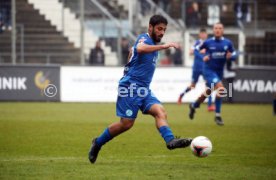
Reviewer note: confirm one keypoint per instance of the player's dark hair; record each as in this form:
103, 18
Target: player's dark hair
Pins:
202, 30
157, 19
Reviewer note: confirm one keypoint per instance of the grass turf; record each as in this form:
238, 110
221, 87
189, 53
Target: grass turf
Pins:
51, 141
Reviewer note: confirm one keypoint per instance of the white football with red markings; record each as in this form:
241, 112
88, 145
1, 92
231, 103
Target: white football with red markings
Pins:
201, 146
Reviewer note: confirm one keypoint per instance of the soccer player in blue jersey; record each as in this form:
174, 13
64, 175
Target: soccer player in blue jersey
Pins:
218, 51
134, 93
197, 67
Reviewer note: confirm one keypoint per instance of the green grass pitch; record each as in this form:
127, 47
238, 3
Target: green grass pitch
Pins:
51, 141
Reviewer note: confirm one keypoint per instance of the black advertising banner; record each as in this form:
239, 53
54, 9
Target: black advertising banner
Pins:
253, 86
29, 83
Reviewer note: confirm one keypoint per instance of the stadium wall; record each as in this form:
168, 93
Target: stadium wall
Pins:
99, 84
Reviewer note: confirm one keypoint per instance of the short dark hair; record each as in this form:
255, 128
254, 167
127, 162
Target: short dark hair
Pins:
158, 19
202, 30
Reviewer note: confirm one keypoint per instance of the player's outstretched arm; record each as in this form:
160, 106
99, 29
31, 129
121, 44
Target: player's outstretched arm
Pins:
145, 48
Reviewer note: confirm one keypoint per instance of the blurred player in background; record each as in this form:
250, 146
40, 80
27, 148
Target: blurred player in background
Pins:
218, 51
197, 67
134, 93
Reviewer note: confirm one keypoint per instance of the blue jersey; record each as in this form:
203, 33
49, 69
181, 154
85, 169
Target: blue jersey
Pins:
141, 67
217, 50
198, 57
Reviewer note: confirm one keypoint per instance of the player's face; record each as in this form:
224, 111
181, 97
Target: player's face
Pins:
158, 32
203, 35
218, 30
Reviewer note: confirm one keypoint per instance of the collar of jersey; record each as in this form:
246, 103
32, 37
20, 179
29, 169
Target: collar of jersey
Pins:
222, 38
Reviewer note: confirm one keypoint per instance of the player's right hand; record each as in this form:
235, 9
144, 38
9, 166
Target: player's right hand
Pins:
206, 58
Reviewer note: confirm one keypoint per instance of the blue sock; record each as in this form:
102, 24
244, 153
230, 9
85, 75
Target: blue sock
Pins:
195, 104
104, 137
187, 89
209, 100
166, 133
218, 103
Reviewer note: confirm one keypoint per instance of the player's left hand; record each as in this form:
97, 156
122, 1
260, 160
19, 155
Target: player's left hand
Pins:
174, 45
203, 51
228, 55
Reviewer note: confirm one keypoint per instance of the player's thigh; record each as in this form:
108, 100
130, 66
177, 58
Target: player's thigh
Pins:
158, 111
159, 114
148, 102
126, 107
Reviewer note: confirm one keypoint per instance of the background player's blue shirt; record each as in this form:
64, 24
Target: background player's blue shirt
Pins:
217, 50
198, 57
141, 66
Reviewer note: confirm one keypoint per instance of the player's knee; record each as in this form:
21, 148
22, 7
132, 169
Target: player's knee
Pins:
221, 91
127, 124
219, 85
162, 114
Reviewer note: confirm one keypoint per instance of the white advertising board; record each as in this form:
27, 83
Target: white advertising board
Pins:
99, 84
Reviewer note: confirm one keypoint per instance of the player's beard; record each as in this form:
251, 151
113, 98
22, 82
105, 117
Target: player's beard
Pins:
155, 37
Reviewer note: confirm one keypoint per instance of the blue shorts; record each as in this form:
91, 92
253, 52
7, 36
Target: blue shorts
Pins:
195, 76
212, 77
129, 105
